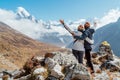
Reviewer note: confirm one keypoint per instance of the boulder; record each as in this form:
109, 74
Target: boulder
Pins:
78, 72
51, 78
65, 59
111, 66
94, 55
57, 71
54, 68
102, 76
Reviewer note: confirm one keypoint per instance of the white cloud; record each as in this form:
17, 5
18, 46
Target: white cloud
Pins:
6, 15
35, 30
111, 16
31, 29
24, 25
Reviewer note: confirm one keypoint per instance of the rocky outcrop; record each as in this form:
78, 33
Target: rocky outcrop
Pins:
105, 49
111, 66
106, 58
64, 66
57, 66
77, 72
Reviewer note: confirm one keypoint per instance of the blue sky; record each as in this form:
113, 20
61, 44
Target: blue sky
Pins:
62, 9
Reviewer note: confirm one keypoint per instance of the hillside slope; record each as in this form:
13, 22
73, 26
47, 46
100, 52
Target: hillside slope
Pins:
111, 34
17, 47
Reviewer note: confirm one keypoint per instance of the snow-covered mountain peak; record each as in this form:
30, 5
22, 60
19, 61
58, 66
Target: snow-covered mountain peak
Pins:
22, 12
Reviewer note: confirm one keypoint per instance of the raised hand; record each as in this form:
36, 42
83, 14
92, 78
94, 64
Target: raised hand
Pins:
61, 21
95, 24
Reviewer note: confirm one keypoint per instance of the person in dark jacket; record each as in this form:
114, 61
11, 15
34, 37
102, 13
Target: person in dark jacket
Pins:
87, 33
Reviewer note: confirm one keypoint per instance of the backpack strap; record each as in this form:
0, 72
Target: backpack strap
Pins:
75, 41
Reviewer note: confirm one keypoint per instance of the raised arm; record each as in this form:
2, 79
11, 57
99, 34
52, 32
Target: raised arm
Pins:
66, 27
83, 36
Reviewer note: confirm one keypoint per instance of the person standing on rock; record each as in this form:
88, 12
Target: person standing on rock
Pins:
77, 45
87, 33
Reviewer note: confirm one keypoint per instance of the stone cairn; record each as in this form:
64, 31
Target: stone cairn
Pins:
106, 58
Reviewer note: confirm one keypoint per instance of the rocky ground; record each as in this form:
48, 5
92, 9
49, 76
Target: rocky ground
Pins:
64, 66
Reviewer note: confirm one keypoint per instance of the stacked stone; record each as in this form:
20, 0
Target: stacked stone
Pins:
105, 49
107, 58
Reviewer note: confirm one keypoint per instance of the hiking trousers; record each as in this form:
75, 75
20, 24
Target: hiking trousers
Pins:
88, 58
78, 55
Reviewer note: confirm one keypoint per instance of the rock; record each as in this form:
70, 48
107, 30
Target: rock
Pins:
111, 66
38, 60
56, 71
8, 74
51, 78
16, 73
95, 61
98, 71
54, 68
116, 78
39, 77
39, 71
103, 58
1, 74
94, 55
49, 55
37, 74
27, 77
65, 59
1, 70
50, 63
78, 72
5, 77
102, 76
28, 66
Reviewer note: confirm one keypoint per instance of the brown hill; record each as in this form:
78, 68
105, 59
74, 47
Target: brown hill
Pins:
16, 47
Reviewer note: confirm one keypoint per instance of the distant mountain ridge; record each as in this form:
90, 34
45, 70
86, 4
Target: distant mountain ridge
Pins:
23, 14
52, 32
111, 34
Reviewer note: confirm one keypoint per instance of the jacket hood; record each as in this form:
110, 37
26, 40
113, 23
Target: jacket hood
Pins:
91, 30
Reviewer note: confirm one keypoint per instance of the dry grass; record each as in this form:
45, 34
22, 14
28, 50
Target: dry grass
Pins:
17, 47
